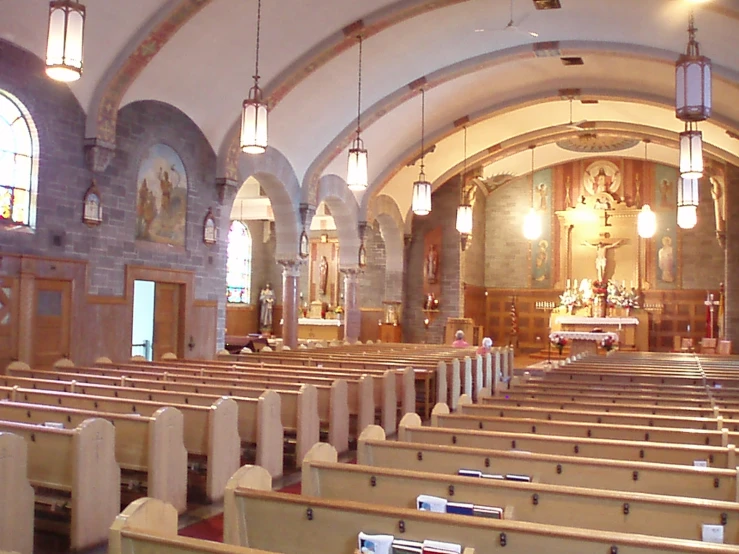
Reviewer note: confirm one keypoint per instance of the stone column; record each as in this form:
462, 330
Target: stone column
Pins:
731, 279
352, 315
290, 301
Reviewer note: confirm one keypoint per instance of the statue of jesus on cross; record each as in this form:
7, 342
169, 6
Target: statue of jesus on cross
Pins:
601, 260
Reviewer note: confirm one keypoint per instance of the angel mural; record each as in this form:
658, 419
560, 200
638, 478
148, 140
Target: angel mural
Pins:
161, 207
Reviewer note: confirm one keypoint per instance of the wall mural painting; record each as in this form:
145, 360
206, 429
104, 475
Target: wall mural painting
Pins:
542, 251
666, 258
161, 205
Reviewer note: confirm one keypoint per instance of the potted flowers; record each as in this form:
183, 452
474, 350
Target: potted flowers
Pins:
558, 341
607, 343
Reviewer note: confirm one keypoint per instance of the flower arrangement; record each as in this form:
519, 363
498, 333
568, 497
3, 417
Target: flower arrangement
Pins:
338, 310
607, 343
600, 288
558, 341
570, 298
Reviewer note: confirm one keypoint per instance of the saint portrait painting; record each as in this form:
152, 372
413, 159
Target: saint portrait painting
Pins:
161, 202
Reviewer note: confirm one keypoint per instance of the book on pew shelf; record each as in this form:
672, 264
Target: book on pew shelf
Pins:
461, 508
712, 533
516, 477
374, 544
491, 512
496, 476
469, 473
700, 463
438, 547
428, 503
53, 424
401, 546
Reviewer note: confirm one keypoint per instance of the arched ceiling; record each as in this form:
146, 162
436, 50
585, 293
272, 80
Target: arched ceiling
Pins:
198, 55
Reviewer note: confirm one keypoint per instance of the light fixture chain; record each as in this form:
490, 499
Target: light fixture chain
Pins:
359, 89
259, 28
423, 124
464, 167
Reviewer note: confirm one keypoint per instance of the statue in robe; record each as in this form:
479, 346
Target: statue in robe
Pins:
266, 305
323, 275
666, 261
601, 259
432, 265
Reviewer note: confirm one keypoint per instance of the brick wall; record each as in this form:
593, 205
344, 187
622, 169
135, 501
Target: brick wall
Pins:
474, 256
506, 249
64, 178
372, 278
444, 213
702, 257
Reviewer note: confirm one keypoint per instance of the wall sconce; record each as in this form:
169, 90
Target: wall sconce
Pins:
209, 228
92, 207
426, 323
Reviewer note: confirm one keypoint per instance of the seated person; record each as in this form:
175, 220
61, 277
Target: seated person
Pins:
487, 344
459, 342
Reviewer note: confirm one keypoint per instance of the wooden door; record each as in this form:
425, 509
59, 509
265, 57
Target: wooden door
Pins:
8, 321
52, 310
167, 331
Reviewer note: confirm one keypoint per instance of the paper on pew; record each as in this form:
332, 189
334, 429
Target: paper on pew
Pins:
427, 503
713, 533
441, 547
377, 544
53, 424
700, 463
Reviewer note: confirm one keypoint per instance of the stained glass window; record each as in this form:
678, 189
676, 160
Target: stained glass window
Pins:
238, 264
18, 163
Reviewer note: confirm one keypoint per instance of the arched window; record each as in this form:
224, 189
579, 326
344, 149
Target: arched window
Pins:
18, 164
238, 264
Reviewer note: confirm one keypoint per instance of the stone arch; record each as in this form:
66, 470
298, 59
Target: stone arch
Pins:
332, 189
385, 211
277, 178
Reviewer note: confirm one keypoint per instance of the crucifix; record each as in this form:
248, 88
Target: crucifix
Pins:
711, 304
601, 251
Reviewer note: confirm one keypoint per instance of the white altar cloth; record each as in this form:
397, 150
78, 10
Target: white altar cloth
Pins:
320, 322
596, 321
579, 335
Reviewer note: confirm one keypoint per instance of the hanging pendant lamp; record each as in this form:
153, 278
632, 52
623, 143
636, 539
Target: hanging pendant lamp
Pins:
532, 222
691, 153
692, 81
646, 221
356, 174
464, 211
64, 41
253, 139
421, 203
687, 203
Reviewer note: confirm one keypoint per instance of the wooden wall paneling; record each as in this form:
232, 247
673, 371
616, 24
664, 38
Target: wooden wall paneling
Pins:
107, 330
242, 319
9, 302
205, 324
168, 316
474, 304
276, 319
369, 328
52, 318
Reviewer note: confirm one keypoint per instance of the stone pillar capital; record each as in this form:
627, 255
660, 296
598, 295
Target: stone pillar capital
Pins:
227, 189
99, 154
291, 268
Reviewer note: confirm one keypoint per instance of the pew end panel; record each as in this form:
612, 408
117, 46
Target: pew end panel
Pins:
247, 477
370, 433
308, 422
439, 409
167, 472
16, 496
320, 452
224, 446
409, 421
96, 482
389, 417
143, 514
270, 433
366, 415
338, 428
408, 378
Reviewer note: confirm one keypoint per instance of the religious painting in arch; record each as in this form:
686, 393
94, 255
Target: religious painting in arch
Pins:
161, 200
542, 249
665, 250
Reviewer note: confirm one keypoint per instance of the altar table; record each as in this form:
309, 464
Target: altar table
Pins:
320, 329
583, 342
633, 331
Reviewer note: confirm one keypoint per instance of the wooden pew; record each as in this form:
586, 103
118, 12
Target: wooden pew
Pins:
668, 453
332, 401
148, 525
16, 496
252, 514
150, 445
623, 432
507, 409
75, 474
646, 514
210, 432
596, 473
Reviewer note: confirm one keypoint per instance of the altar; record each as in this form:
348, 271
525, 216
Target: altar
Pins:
320, 329
632, 331
584, 342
